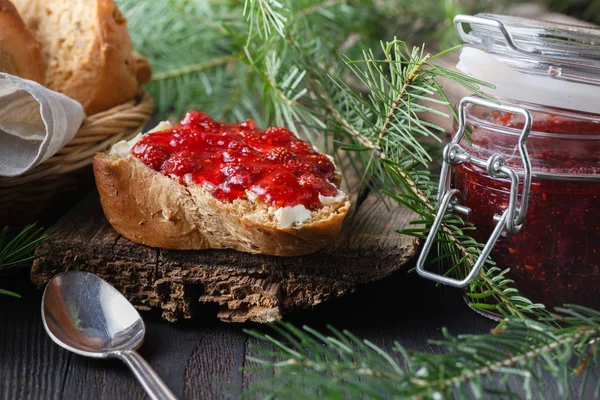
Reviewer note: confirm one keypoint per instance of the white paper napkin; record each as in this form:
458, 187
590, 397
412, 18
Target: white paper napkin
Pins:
35, 123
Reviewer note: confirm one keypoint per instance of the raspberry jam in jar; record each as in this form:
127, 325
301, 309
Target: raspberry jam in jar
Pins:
555, 257
524, 165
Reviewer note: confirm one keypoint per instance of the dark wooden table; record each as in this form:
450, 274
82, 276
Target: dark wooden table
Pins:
203, 359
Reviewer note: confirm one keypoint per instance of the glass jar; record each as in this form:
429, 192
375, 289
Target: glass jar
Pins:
528, 177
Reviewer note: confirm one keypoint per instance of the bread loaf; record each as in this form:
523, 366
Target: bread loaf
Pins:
20, 53
88, 50
150, 208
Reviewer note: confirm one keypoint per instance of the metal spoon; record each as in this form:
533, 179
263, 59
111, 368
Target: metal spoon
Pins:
86, 315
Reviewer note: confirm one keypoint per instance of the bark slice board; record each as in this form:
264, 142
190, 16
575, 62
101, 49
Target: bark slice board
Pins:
245, 287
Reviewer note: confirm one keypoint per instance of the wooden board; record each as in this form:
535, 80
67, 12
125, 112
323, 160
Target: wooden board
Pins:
244, 287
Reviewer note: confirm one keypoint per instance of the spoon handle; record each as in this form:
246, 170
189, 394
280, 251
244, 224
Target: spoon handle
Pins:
155, 387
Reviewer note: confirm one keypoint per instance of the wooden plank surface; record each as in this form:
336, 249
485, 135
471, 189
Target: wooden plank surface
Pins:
244, 286
203, 358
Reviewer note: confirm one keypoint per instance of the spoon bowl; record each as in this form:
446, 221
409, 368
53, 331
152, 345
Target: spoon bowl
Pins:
87, 316
84, 314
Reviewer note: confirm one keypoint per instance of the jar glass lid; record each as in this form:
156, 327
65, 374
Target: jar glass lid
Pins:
561, 51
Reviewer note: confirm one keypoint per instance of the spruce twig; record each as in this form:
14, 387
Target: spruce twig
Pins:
469, 366
18, 251
317, 7
189, 69
409, 79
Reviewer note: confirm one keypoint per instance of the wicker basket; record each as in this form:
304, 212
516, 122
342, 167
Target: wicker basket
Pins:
25, 198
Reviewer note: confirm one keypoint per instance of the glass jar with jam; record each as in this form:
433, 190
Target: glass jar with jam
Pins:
524, 164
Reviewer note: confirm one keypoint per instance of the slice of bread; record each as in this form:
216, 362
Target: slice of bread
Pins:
20, 53
88, 50
150, 208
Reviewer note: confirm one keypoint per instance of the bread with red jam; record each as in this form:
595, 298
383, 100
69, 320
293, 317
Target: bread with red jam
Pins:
203, 184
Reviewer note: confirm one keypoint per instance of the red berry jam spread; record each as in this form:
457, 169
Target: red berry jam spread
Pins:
231, 159
555, 258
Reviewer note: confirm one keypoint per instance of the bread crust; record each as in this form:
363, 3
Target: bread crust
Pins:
107, 72
121, 71
20, 53
150, 208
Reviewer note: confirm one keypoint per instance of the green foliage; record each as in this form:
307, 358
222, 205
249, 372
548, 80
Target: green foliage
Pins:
338, 365
233, 59
230, 58
192, 53
18, 251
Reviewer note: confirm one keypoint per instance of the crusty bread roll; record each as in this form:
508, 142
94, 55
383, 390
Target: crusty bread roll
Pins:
150, 208
20, 53
88, 50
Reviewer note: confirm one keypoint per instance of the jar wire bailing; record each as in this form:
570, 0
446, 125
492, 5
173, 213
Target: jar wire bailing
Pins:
528, 174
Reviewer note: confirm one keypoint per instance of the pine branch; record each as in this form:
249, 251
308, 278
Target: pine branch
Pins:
407, 76
318, 7
18, 251
265, 17
197, 48
409, 80
196, 52
189, 69
342, 366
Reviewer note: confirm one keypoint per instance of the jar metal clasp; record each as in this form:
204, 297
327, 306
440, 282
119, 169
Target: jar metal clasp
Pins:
512, 218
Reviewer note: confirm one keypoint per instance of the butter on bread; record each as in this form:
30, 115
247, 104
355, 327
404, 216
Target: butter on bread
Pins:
20, 53
150, 208
88, 50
